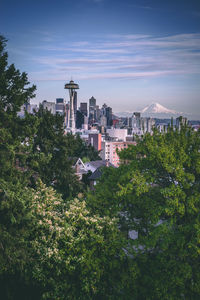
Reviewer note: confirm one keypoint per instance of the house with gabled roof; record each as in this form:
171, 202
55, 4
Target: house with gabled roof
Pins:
80, 168
93, 165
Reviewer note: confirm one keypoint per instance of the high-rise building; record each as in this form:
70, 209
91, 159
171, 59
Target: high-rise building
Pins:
92, 102
147, 125
150, 124
136, 120
103, 121
181, 121
143, 125
110, 151
95, 140
129, 122
97, 113
85, 125
50, 106
60, 106
103, 109
83, 108
109, 116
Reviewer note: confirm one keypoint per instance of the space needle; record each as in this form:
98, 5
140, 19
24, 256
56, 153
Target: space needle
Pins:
72, 86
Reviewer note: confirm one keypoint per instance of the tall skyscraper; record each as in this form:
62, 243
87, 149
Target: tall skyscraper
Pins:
109, 116
103, 109
92, 102
60, 106
136, 122
83, 108
97, 113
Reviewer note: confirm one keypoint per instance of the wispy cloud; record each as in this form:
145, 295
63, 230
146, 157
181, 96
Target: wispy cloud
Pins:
45, 36
143, 56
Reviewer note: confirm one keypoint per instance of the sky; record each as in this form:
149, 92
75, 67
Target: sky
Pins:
125, 53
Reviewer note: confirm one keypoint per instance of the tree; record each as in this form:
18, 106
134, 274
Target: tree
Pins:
78, 148
57, 250
53, 153
77, 255
16, 226
13, 94
13, 91
50, 156
156, 195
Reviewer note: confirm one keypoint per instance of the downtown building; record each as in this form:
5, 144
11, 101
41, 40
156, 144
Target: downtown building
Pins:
110, 148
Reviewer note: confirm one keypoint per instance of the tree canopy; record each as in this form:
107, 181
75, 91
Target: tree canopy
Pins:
156, 195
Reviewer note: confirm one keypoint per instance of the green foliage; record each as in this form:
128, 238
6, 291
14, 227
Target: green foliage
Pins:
57, 250
53, 153
13, 94
50, 156
77, 255
16, 223
157, 196
80, 149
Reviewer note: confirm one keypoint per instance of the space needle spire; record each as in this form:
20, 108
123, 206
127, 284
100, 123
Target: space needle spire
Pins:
72, 86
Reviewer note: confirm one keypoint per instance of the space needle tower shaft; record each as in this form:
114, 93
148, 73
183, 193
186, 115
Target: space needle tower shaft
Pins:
72, 87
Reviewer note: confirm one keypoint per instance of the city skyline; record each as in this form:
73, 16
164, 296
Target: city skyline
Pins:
125, 53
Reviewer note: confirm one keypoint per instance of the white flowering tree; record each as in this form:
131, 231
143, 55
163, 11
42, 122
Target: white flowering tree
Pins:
75, 255
53, 250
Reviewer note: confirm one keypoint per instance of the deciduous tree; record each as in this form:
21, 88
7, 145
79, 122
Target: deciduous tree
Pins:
156, 195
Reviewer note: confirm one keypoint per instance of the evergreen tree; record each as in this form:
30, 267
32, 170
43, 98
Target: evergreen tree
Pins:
51, 154
14, 92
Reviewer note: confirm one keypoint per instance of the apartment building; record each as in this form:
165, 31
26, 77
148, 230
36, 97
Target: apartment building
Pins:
110, 148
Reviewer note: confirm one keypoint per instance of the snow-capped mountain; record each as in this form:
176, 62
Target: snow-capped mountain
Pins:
156, 108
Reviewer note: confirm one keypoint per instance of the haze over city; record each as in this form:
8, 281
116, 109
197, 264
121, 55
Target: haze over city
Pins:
125, 53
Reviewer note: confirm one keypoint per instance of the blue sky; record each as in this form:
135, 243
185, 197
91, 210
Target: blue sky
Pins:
125, 53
